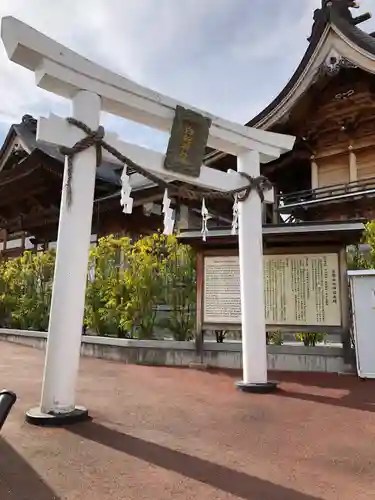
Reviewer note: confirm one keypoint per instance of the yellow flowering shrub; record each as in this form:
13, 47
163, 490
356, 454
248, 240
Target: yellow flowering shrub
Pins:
26, 290
127, 283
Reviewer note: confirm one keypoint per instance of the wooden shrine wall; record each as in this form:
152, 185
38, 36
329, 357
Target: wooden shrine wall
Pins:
333, 170
365, 163
336, 119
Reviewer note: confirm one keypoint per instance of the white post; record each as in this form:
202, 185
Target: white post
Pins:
68, 296
250, 240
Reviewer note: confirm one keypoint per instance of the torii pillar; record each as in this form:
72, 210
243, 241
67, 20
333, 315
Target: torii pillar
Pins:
250, 250
92, 88
68, 295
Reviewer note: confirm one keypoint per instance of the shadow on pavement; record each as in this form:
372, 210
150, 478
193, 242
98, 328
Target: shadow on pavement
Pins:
222, 478
18, 480
360, 394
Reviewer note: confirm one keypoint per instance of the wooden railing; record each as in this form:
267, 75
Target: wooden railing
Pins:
329, 194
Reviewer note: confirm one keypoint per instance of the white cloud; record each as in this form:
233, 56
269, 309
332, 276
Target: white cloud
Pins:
230, 57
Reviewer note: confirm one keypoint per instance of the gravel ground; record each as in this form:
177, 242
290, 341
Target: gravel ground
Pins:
163, 433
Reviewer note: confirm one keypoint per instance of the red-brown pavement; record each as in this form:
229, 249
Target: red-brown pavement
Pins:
162, 433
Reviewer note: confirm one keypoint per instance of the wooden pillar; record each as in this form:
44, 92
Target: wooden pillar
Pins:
5, 240
275, 212
183, 217
2, 241
23, 241
264, 214
353, 171
314, 173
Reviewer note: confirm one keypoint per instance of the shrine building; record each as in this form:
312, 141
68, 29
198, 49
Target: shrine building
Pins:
328, 104
31, 176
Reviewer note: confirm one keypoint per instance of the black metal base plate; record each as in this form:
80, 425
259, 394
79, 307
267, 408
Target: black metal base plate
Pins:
265, 388
36, 417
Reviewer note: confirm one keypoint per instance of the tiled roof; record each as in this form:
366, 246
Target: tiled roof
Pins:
26, 130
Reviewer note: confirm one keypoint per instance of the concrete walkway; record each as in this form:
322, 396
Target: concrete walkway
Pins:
165, 434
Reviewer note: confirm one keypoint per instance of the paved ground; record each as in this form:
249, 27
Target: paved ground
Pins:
163, 433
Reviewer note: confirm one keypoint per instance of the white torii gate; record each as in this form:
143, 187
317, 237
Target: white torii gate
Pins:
93, 88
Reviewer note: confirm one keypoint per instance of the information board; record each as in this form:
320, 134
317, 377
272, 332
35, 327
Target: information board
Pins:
299, 289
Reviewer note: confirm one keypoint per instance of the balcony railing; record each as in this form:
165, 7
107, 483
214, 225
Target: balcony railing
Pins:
324, 195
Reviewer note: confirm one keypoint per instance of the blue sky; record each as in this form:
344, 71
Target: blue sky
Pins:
229, 57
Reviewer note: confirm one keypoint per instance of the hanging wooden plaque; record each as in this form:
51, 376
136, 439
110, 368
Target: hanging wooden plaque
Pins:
187, 142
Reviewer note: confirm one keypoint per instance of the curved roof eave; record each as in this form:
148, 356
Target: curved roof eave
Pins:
341, 27
316, 38
355, 35
319, 30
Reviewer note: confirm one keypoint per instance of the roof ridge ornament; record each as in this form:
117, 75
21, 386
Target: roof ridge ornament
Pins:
341, 8
30, 122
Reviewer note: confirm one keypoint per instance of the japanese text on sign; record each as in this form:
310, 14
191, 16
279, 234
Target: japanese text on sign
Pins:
298, 290
187, 142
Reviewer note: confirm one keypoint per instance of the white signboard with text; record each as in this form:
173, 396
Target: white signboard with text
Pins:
300, 289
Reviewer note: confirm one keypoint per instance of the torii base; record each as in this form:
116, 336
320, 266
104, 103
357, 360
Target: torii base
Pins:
36, 417
265, 388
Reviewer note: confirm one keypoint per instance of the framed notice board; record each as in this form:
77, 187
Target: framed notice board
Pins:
304, 291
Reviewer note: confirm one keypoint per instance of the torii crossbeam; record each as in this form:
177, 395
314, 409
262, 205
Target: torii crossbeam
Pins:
92, 89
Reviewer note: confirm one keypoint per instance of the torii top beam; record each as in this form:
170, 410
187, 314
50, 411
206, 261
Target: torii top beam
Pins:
64, 72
